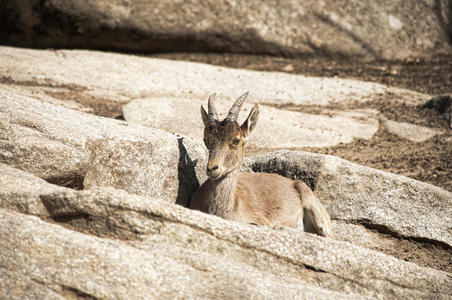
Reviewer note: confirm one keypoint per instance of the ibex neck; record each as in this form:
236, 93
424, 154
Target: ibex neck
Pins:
221, 198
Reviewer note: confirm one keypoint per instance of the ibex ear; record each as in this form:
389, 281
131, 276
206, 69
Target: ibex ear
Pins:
250, 122
204, 116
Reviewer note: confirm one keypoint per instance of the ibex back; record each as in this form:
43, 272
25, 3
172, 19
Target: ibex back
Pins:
253, 198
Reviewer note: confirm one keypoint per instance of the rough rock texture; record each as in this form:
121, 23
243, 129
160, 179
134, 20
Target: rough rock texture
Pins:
90, 77
21, 191
69, 264
140, 241
354, 193
44, 94
160, 167
376, 30
409, 131
51, 142
276, 128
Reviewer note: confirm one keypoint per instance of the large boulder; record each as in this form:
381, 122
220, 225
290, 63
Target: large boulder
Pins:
390, 203
163, 167
64, 146
149, 247
39, 259
369, 29
115, 79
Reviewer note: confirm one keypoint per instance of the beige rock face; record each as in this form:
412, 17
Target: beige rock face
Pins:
51, 142
67, 263
369, 29
409, 131
115, 79
359, 194
160, 167
21, 191
276, 128
147, 240
103, 82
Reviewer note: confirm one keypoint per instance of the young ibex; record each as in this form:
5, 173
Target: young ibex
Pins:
253, 198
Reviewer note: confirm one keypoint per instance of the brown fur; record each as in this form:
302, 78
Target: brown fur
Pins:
253, 198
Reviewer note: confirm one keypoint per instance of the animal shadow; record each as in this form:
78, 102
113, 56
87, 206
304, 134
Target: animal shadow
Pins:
186, 175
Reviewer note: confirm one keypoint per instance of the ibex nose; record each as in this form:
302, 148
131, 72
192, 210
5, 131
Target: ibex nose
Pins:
211, 169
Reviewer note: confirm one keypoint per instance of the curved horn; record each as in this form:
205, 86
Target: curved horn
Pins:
235, 108
212, 113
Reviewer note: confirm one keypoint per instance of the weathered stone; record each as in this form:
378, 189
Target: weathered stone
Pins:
21, 191
72, 264
168, 241
160, 167
44, 94
369, 29
91, 77
377, 199
414, 133
49, 141
276, 128
15, 285
192, 254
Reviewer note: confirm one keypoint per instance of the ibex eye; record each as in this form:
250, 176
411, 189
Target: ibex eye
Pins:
236, 141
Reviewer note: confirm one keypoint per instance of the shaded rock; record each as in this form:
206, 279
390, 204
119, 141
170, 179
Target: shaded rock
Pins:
414, 133
384, 201
50, 142
443, 105
96, 79
383, 30
276, 128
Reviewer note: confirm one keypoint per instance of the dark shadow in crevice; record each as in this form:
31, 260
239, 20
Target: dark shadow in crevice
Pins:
450, 22
383, 229
75, 293
186, 175
74, 181
422, 251
286, 169
444, 21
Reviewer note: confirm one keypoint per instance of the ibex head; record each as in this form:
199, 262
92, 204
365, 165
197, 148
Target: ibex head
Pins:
226, 139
